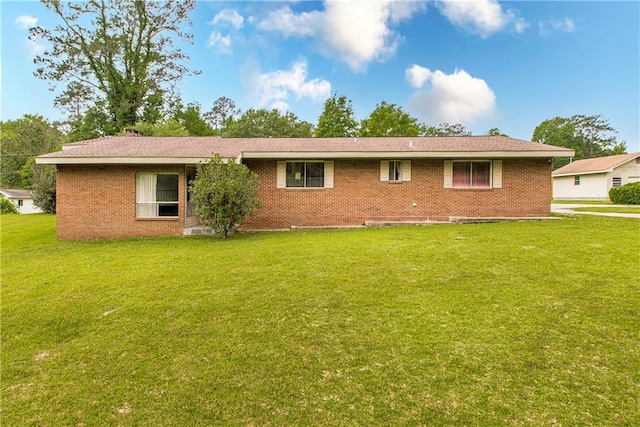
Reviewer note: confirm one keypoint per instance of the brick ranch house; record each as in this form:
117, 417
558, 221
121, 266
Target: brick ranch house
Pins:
131, 186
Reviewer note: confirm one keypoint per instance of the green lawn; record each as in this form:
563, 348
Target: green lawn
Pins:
534, 323
580, 202
626, 209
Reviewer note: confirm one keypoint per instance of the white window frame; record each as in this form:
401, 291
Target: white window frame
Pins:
281, 175
616, 181
576, 180
147, 205
495, 174
401, 167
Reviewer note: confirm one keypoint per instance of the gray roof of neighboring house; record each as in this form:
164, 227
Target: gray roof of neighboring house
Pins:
595, 165
17, 194
192, 149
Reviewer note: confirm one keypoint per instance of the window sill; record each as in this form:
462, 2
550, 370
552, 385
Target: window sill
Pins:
472, 188
305, 188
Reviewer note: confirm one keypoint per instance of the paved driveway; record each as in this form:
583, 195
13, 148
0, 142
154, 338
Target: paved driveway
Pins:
568, 209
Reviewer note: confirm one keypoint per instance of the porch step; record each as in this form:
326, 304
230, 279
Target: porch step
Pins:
197, 230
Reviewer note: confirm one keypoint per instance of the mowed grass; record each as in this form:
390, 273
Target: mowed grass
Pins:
582, 202
533, 323
617, 209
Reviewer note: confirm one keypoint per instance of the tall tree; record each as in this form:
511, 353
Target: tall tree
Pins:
446, 129
337, 118
222, 110
588, 136
170, 127
119, 51
597, 135
22, 140
390, 120
265, 123
193, 121
94, 123
495, 132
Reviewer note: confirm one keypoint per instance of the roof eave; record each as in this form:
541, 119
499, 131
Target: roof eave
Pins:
403, 154
582, 173
120, 160
67, 160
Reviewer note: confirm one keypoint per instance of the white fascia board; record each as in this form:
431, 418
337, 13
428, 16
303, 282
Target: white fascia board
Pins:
403, 154
581, 173
121, 160
304, 154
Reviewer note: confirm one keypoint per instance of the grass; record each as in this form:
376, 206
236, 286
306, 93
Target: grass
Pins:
581, 202
626, 209
484, 324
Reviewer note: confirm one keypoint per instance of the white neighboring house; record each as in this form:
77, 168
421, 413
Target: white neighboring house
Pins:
23, 199
591, 179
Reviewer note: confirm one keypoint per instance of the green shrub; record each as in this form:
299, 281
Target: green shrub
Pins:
7, 207
628, 194
224, 193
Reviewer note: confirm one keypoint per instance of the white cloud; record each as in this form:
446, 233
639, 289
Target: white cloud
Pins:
452, 98
354, 32
482, 17
417, 75
24, 22
290, 24
33, 47
273, 89
228, 17
220, 43
565, 25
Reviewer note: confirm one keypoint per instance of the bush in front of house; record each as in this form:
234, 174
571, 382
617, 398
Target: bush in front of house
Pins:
224, 193
628, 194
7, 207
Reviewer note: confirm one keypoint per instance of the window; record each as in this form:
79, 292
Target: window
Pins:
617, 181
395, 170
156, 195
472, 174
305, 174
576, 180
20, 202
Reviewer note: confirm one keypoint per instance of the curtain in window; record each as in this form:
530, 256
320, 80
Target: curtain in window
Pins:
461, 174
146, 195
480, 174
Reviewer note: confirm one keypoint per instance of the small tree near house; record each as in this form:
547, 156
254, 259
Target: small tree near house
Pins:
224, 193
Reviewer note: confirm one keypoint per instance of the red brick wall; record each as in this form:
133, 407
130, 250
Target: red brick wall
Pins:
99, 202
359, 195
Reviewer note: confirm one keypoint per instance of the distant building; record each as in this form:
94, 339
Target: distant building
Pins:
591, 179
23, 199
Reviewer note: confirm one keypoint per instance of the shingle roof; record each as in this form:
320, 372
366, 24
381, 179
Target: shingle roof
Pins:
595, 165
17, 194
189, 149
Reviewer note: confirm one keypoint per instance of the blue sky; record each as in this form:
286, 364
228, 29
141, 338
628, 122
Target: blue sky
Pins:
482, 63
